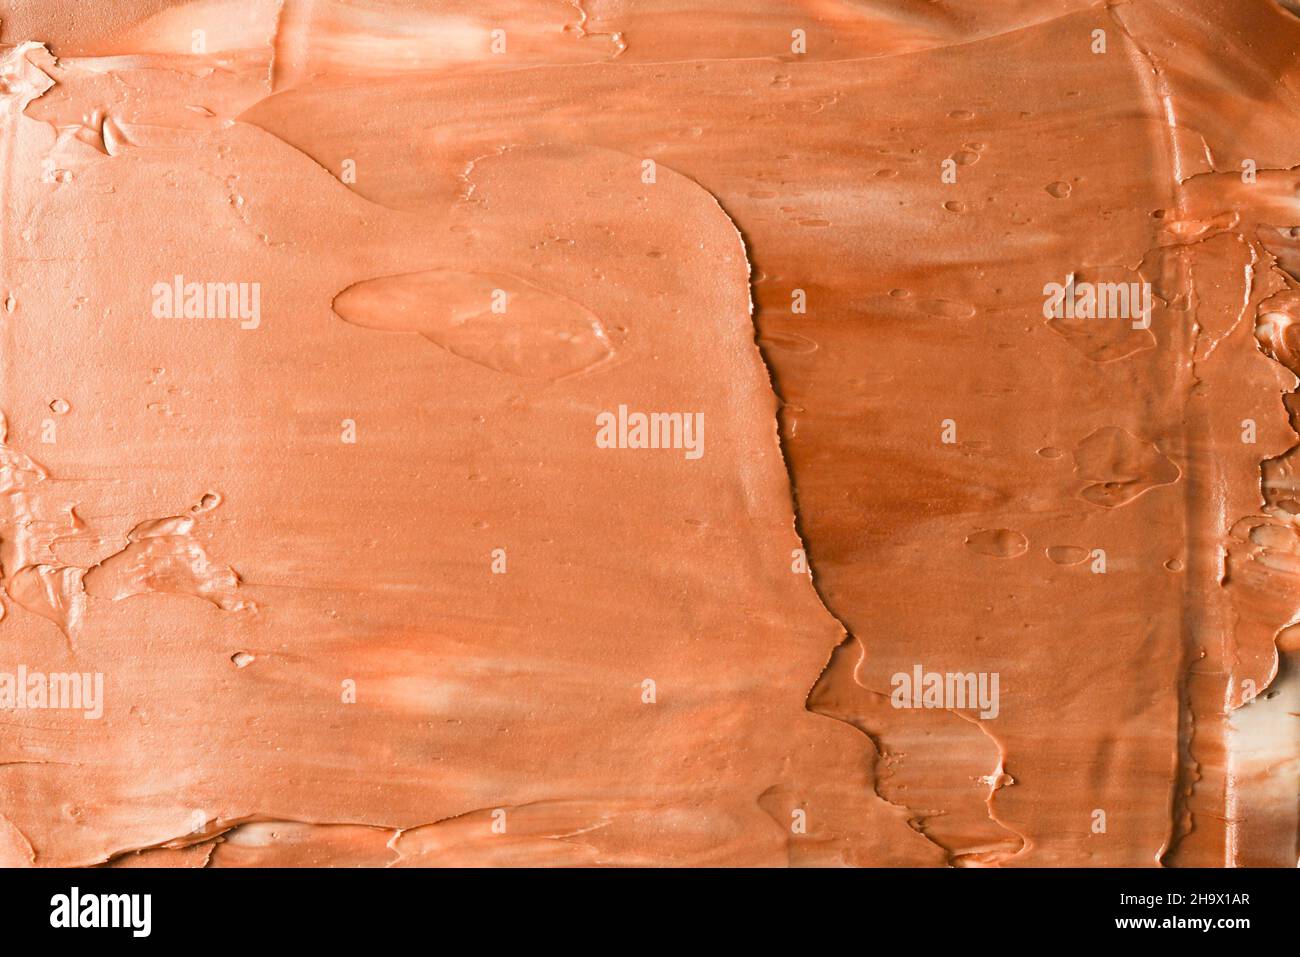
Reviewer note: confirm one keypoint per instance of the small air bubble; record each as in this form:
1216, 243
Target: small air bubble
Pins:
207, 503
